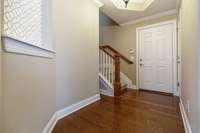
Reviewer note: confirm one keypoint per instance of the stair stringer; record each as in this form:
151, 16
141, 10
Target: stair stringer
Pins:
105, 87
125, 80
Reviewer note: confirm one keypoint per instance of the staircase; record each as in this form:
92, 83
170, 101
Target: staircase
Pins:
112, 81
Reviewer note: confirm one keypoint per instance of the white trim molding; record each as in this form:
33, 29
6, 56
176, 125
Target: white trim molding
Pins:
125, 80
77, 106
159, 15
98, 3
51, 124
106, 92
15, 46
69, 110
106, 81
185, 118
133, 87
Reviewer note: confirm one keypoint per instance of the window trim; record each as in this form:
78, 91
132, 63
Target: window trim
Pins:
15, 46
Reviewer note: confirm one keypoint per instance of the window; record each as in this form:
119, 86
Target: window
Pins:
23, 30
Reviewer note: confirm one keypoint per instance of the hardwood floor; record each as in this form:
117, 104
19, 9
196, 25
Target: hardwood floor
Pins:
134, 112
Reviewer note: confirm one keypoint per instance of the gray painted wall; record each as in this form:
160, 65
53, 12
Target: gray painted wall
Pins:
1, 89
76, 35
29, 94
198, 103
190, 60
105, 29
35, 88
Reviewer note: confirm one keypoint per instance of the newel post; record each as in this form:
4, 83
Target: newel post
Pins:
117, 84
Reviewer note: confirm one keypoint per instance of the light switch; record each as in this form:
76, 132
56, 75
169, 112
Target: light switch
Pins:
132, 58
131, 51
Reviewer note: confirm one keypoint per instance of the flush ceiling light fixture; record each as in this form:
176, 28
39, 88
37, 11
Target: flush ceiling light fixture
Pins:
136, 5
126, 3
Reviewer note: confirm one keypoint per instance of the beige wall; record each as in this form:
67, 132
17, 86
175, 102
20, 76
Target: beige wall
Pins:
1, 89
124, 38
35, 88
198, 90
1, 96
76, 34
105, 29
106, 35
190, 46
29, 92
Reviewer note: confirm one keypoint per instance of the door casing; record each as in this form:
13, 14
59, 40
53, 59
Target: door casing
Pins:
175, 52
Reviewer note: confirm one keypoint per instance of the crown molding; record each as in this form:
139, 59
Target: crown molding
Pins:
98, 3
163, 14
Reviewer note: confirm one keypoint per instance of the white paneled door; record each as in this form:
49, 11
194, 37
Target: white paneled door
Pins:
155, 57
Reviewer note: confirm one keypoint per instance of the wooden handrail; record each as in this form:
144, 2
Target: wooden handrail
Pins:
107, 52
116, 52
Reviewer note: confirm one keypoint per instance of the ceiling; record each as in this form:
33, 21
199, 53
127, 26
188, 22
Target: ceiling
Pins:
135, 5
125, 16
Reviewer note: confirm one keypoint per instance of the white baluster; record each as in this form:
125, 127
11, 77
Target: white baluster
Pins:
107, 66
101, 61
113, 71
109, 61
104, 64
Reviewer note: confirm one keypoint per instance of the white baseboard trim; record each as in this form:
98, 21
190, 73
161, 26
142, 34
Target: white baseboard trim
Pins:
69, 110
106, 92
176, 93
51, 124
73, 108
185, 118
133, 87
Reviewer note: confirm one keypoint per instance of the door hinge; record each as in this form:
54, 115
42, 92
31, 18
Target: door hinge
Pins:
178, 84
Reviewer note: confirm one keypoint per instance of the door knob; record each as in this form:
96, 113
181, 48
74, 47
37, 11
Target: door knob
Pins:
141, 64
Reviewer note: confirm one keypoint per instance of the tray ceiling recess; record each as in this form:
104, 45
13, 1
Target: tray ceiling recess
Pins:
135, 5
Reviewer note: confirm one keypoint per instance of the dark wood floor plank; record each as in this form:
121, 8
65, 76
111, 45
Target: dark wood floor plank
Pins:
134, 112
140, 117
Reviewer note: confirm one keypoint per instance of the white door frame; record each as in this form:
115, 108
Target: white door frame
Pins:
174, 22
179, 27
